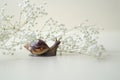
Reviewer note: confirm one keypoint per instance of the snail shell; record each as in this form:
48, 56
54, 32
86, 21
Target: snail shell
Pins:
40, 48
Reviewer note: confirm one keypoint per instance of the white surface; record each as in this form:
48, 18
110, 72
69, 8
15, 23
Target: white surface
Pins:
66, 67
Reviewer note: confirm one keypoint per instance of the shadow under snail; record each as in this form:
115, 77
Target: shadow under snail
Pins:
40, 48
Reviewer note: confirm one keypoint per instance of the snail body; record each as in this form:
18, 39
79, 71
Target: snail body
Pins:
40, 48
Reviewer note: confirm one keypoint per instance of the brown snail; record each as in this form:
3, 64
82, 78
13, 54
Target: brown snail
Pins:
40, 48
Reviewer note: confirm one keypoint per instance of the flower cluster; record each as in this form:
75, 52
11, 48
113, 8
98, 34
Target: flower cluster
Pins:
20, 31
81, 39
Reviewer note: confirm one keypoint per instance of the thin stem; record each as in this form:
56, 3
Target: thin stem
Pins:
7, 20
20, 18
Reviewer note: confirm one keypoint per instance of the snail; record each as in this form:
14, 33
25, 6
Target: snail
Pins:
40, 48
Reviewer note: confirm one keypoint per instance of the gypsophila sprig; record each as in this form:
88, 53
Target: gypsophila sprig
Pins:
82, 39
22, 30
